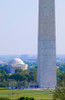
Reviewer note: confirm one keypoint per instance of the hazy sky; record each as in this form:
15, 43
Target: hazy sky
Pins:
19, 26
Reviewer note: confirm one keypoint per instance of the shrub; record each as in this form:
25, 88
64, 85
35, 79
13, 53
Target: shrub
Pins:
31, 98
4, 98
25, 98
59, 94
22, 98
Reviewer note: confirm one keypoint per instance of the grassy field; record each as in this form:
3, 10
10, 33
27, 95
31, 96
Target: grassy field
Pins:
37, 94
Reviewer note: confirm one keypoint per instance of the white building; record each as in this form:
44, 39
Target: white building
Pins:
16, 63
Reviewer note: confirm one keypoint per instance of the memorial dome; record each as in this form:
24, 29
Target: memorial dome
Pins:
16, 63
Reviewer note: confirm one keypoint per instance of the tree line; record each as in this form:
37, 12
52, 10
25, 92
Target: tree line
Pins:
24, 78
20, 77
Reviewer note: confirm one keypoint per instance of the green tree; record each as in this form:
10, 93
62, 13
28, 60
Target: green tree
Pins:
59, 94
18, 71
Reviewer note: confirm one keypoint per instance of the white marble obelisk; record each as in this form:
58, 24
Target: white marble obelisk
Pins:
46, 74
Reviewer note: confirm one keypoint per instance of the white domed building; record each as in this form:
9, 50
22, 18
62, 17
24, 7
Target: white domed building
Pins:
16, 63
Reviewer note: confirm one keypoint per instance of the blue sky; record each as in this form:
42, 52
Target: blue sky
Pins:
19, 26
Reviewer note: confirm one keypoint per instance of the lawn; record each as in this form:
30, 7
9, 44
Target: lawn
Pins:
37, 94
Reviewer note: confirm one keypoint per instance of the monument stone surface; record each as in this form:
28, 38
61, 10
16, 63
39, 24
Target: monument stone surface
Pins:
46, 74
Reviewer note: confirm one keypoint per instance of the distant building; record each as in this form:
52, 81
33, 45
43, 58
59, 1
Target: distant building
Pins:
16, 63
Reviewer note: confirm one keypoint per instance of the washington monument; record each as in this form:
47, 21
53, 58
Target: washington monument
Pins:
46, 75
